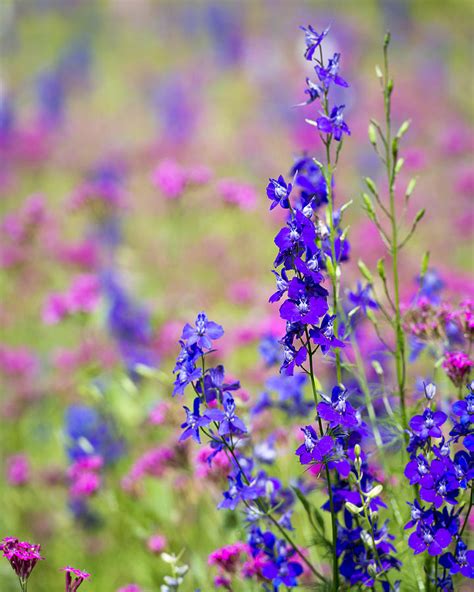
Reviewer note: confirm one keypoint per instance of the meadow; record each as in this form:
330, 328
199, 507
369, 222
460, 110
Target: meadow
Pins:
236, 282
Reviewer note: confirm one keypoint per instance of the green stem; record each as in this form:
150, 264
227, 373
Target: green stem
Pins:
335, 566
390, 162
471, 503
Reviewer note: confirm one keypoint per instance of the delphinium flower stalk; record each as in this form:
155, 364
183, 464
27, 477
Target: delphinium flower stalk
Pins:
214, 415
307, 245
442, 471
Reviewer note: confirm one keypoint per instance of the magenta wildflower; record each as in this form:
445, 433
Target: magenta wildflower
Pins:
74, 578
458, 367
23, 557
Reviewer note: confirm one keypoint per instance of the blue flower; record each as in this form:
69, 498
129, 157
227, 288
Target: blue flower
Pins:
313, 40
91, 434
330, 74
337, 410
279, 192
362, 298
194, 421
229, 423
324, 335
271, 350
461, 562
202, 333
334, 124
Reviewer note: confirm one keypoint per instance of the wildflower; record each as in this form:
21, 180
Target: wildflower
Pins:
74, 578
458, 367
429, 538
202, 333
324, 334
279, 192
330, 74
23, 556
194, 421
229, 422
313, 40
428, 425
18, 470
362, 298
333, 124
462, 561
337, 410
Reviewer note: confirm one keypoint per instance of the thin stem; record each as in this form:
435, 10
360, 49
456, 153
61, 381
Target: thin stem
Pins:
391, 174
471, 503
335, 567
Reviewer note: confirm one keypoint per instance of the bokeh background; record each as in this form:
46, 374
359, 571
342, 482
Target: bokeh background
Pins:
136, 141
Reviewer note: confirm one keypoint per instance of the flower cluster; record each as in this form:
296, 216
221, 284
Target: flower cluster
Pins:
441, 472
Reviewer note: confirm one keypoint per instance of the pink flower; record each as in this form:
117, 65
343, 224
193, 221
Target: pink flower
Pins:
157, 543
170, 178
85, 484
237, 193
23, 556
79, 576
130, 588
55, 309
83, 296
18, 470
458, 366
198, 175
157, 415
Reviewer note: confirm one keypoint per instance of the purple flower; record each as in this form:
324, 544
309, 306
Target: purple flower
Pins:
324, 335
282, 284
314, 449
440, 484
279, 192
361, 298
23, 556
330, 74
229, 422
428, 424
202, 334
292, 357
313, 40
334, 124
194, 421
429, 538
336, 410
416, 469
461, 562
418, 513
304, 310
313, 91
293, 240
79, 576
186, 373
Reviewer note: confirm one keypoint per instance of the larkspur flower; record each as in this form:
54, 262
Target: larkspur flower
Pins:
203, 333
278, 191
362, 298
462, 561
229, 423
324, 334
429, 538
330, 74
194, 421
337, 410
428, 425
439, 485
313, 40
333, 124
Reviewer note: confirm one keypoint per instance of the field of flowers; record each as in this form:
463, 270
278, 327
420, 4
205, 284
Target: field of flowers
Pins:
236, 283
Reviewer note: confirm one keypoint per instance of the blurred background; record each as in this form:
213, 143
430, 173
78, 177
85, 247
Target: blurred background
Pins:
136, 142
